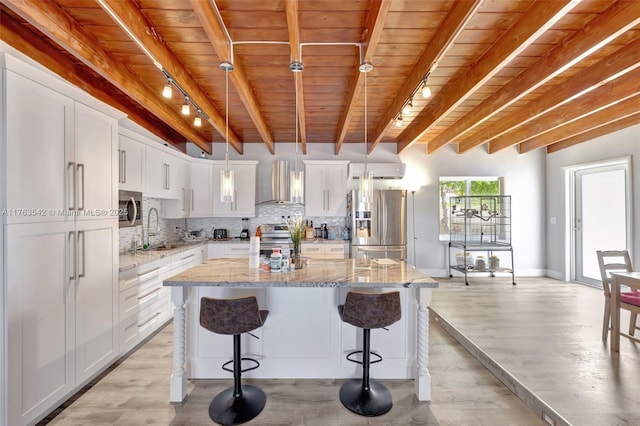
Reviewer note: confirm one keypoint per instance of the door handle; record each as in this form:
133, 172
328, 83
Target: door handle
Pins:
84, 252
78, 167
72, 174
72, 254
124, 166
135, 211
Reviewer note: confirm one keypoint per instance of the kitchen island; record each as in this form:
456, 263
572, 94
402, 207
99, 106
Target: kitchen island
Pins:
303, 336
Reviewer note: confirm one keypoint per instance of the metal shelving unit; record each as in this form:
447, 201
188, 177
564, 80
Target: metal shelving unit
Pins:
480, 223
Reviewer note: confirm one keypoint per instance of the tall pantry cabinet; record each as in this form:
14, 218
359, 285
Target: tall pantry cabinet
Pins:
61, 239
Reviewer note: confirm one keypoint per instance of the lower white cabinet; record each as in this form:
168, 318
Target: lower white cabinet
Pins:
62, 327
325, 250
145, 304
228, 250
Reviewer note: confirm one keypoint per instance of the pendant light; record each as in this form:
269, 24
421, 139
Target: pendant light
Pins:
186, 108
227, 190
296, 190
366, 177
167, 90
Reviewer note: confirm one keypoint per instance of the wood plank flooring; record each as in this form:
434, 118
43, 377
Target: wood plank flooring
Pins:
136, 393
543, 338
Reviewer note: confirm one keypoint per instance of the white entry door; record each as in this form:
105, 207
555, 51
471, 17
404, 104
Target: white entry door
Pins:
601, 216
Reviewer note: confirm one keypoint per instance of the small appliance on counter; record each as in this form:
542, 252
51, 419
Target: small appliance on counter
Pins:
244, 234
220, 234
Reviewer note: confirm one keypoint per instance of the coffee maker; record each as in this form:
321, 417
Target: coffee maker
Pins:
244, 234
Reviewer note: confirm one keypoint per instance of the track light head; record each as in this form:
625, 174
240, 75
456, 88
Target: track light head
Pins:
186, 107
167, 91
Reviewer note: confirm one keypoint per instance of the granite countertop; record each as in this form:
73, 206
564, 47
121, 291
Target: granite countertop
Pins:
350, 273
130, 260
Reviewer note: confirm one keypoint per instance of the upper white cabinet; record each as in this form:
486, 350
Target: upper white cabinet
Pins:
130, 162
200, 188
163, 174
325, 188
62, 167
244, 200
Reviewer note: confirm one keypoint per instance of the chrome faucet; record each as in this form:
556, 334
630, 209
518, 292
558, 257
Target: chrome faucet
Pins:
151, 233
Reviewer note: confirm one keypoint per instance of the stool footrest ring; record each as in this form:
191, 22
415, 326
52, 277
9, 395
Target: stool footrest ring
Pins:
351, 354
230, 370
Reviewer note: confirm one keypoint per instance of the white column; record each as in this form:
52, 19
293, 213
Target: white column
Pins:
422, 376
178, 382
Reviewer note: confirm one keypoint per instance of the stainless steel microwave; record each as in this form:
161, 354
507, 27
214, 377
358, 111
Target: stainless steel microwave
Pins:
129, 208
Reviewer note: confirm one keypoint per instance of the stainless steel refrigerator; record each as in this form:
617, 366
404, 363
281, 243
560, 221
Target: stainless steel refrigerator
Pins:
378, 228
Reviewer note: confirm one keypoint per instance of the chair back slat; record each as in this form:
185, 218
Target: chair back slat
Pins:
612, 261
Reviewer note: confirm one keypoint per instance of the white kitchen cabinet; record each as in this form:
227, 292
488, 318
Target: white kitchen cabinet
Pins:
62, 168
130, 163
244, 203
61, 183
196, 198
325, 188
163, 174
144, 302
323, 250
62, 311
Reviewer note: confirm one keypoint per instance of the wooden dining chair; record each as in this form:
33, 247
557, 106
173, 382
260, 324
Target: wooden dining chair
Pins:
617, 261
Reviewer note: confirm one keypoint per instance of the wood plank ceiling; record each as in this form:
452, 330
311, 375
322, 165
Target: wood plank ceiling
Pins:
502, 73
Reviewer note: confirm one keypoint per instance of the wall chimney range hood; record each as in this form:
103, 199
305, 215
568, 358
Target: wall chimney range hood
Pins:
279, 183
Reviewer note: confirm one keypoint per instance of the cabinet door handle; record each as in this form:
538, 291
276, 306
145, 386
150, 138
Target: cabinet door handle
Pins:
84, 253
119, 166
235, 199
78, 167
168, 176
328, 199
193, 202
184, 200
124, 166
187, 257
156, 315
72, 254
147, 275
151, 293
71, 171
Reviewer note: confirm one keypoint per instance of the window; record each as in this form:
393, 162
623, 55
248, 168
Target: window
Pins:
455, 186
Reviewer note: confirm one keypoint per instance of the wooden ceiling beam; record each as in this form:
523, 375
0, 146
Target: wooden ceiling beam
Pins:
293, 27
604, 96
217, 35
378, 12
62, 29
19, 37
606, 27
534, 22
615, 112
132, 18
452, 25
614, 126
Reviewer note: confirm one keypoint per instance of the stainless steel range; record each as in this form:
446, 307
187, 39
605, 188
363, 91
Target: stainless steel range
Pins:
274, 235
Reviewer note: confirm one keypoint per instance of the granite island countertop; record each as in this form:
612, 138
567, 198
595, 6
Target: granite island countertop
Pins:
130, 260
349, 273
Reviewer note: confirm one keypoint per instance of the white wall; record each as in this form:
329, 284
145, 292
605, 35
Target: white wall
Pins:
619, 144
524, 181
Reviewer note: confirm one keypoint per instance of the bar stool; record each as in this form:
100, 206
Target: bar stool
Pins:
365, 310
240, 403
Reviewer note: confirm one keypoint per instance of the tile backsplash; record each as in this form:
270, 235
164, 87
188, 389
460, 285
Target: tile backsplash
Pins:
266, 213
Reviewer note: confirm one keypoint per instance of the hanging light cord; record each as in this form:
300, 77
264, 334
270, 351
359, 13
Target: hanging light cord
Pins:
365, 121
296, 88
226, 108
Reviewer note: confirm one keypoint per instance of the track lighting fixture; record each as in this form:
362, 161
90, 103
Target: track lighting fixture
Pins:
197, 121
399, 120
167, 91
426, 90
407, 108
186, 107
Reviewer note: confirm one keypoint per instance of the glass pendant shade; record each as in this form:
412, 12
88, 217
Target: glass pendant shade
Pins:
426, 91
226, 186
366, 186
167, 91
296, 190
186, 109
197, 121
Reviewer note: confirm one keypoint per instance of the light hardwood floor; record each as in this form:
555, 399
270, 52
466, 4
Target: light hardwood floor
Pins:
136, 393
543, 338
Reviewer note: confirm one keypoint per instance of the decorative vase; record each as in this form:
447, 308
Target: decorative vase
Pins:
297, 257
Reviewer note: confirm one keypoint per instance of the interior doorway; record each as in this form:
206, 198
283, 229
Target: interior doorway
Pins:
600, 215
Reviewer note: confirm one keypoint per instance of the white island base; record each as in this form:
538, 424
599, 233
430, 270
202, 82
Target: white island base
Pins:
303, 336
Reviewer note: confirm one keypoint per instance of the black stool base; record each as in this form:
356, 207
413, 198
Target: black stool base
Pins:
373, 402
226, 409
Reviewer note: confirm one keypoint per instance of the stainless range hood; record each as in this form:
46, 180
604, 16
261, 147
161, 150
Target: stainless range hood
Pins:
279, 183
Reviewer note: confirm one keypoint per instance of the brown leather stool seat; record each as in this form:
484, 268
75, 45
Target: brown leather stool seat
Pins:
366, 310
240, 403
